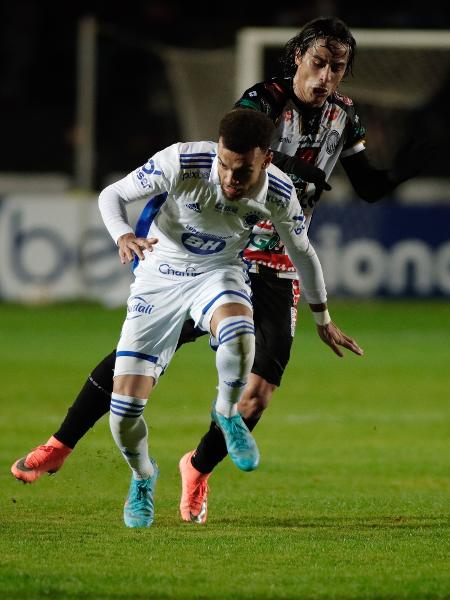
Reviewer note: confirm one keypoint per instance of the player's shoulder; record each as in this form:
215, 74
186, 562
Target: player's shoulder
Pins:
279, 187
273, 92
341, 100
198, 155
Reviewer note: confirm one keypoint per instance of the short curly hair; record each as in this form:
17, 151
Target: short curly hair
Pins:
330, 28
243, 129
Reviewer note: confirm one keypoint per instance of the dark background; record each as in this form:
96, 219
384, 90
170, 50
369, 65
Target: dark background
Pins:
135, 115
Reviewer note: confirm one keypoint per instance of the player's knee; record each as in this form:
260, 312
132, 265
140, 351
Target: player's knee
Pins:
125, 412
236, 336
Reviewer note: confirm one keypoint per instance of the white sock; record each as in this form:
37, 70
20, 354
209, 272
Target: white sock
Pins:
129, 430
234, 360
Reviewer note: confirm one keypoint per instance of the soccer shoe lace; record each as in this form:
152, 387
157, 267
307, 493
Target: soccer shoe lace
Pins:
139, 509
194, 491
47, 458
241, 445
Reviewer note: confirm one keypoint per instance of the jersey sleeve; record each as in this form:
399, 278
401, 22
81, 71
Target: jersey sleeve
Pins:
355, 134
267, 97
156, 176
290, 223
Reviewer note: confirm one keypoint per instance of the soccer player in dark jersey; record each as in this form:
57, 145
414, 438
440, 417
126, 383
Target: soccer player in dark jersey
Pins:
315, 126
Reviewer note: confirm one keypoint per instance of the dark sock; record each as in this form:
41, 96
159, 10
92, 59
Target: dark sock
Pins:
91, 403
212, 448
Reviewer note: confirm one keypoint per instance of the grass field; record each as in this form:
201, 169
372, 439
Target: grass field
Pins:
351, 500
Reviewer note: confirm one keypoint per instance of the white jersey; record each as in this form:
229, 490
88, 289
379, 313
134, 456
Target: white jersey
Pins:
197, 227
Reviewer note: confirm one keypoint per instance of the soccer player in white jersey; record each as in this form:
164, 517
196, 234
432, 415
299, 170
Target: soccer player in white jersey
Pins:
206, 198
315, 126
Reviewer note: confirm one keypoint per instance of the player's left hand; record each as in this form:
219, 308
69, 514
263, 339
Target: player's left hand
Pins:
334, 337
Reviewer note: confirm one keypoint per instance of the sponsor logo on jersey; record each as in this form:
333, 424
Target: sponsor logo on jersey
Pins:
300, 219
194, 206
223, 208
200, 243
195, 175
166, 269
332, 141
210, 235
143, 172
286, 140
138, 306
264, 242
149, 168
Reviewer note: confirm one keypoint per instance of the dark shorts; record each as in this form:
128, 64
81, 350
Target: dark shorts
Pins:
275, 310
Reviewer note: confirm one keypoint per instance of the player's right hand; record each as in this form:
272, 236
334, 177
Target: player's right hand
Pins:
131, 246
334, 337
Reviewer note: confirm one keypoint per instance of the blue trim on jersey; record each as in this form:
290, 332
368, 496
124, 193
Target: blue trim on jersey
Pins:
197, 160
280, 187
196, 165
288, 186
148, 357
208, 306
146, 217
190, 154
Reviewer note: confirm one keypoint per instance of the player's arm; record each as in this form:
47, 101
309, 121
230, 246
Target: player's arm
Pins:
148, 181
372, 184
297, 169
290, 225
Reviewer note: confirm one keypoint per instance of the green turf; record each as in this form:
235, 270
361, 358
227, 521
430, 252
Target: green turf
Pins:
350, 501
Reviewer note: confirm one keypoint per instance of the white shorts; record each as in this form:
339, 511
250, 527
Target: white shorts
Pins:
157, 309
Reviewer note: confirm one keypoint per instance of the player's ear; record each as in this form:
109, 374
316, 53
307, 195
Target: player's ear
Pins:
298, 57
268, 159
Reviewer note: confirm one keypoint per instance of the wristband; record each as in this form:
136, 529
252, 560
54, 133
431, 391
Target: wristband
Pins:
322, 318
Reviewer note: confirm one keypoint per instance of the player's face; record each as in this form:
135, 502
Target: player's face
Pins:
240, 172
320, 71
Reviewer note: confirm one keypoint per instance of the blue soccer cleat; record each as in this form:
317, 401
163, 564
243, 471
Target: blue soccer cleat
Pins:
139, 509
240, 443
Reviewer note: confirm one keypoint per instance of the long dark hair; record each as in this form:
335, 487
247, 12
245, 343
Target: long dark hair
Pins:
331, 29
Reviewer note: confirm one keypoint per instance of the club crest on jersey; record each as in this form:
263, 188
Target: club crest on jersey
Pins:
332, 141
200, 243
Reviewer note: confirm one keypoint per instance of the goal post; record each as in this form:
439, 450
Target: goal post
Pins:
252, 42
400, 81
